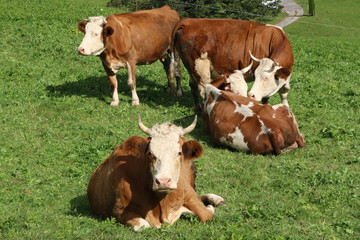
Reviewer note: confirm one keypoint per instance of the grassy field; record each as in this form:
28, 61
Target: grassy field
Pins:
56, 127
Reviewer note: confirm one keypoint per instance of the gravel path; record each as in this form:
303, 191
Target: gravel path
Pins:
294, 10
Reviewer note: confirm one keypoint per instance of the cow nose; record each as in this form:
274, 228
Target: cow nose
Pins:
251, 95
163, 182
81, 50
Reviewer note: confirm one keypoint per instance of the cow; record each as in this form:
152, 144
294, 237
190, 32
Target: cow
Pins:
243, 124
130, 39
146, 182
211, 48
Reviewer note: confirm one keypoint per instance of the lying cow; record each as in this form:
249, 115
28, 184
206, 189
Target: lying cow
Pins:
150, 181
211, 48
245, 125
130, 39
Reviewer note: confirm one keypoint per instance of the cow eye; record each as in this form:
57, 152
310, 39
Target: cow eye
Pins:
180, 154
96, 34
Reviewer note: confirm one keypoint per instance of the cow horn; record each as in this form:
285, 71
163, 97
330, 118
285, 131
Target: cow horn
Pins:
86, 20
254, 58
191, 127
143, 128
244, 70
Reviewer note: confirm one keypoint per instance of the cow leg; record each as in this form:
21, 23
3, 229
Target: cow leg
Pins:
132, 83
212, 199
195, 205
173, 70
113, 84
195, 92
176, 215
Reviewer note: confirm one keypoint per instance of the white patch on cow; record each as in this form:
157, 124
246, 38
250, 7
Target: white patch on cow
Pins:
165, 147
175, 215
211, 208
202, 68
275, 107
92, 43
237, 83
141, 225
264, 129
274, 115
115, 66
243, 110
250, 104
237, 140
118, 22
265, 84
210, 89
270, 25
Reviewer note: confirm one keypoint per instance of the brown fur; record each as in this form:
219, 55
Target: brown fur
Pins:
121, 186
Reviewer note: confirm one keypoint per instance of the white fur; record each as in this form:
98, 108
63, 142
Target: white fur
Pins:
92, 42
165, 146
237, 140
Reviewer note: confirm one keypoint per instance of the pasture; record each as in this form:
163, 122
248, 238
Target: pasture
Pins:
56, 127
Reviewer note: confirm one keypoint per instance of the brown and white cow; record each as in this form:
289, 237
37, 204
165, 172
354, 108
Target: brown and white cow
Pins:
130, 39
150, 181
245, 125
210, 48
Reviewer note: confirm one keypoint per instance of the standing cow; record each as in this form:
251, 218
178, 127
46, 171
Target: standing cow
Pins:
150, 181
130, 39
210, 48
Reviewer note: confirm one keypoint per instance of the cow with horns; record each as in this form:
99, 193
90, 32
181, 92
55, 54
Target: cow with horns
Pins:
150, 181
130, 39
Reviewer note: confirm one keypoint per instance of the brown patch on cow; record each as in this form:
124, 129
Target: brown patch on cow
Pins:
282, 73
81, 26
192, 149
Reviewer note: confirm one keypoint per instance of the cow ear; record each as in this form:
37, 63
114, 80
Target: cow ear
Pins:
192, 149
282, 73
136, 146
108, 31
81, 26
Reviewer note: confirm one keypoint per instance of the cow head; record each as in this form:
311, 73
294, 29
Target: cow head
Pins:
269, 78
93, 41
167, 151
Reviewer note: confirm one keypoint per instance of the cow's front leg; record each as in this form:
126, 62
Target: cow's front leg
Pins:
131, 67
113, 84
194, 204
131, 219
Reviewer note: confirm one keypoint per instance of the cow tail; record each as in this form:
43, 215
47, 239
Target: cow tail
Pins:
173, 51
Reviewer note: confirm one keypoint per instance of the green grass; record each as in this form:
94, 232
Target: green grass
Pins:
56, 128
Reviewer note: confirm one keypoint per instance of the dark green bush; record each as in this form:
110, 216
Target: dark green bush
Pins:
237, 9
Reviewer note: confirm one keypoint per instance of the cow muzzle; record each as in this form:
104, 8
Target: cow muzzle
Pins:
164, 185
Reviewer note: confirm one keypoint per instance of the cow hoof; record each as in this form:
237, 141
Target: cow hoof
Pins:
143, 224
114, 103
211, 208
212, 199
135, 102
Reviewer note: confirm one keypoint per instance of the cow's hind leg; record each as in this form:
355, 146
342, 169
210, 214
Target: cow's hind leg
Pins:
132, 83
173, 70
212, 199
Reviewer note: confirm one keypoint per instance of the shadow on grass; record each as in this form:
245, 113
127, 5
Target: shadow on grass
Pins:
153, 95
79, 206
